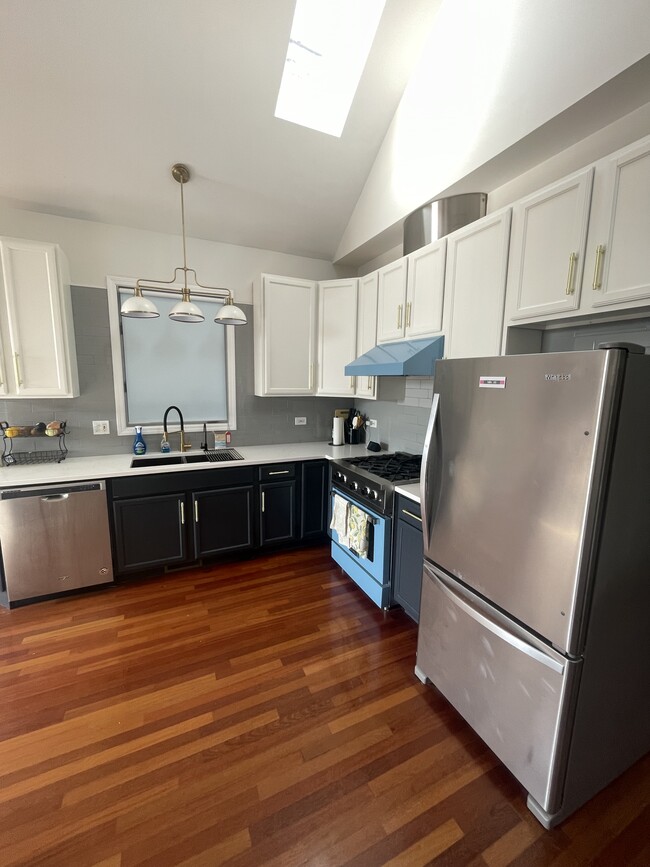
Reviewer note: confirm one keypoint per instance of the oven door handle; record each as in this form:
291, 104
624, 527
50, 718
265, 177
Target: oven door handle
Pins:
374, 519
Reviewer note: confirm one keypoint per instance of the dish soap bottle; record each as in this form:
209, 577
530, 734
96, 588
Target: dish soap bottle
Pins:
139, 445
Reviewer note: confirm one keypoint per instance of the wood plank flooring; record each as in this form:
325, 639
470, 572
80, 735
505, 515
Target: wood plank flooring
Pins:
258, 713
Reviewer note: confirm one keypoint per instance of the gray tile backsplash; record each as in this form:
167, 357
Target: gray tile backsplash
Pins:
260, 420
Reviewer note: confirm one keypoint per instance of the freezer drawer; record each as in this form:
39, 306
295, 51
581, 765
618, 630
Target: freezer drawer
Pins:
513, 690
53, 539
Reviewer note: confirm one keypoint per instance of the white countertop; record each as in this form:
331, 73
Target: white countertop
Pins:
108, 466
412, 491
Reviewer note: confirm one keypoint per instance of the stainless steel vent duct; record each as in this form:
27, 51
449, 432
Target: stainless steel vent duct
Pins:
440, 217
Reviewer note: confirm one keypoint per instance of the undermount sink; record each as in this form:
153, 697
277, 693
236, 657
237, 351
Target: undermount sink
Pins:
211, 456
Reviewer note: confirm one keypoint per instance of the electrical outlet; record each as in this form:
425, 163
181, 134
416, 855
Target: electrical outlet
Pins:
372, 422
101, 427
300, 419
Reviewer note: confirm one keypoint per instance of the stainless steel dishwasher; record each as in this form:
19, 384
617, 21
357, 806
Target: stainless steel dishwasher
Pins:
53, 538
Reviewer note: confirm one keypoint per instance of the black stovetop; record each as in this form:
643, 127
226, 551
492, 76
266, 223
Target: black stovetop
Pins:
397, 467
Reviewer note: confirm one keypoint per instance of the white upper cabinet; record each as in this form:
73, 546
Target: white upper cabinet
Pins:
475, 287
618, 272
424, 290
366, 386
285, 335
410, 294
548, 243
391, 301
337, 336
37, 349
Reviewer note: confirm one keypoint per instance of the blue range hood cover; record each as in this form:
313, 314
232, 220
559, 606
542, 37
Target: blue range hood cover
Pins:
406, 358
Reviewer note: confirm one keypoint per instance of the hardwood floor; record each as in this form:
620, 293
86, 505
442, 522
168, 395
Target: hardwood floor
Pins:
262, 712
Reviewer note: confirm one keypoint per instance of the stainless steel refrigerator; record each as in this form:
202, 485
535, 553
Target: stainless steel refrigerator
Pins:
535, 611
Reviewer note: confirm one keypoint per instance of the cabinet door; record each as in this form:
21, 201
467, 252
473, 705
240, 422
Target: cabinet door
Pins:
314, 499
277, 512
337, 335
223, 520
284, 335
475, 287
149, 531
37, 333
366, 386
407, 566
391, 291
424, 290
549, 232
619, 230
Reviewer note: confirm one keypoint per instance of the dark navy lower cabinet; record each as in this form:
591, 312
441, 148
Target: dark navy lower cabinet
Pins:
222, 520
314, 499
149, 532
408, 557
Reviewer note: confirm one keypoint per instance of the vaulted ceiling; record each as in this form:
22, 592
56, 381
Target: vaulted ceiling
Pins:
98, 98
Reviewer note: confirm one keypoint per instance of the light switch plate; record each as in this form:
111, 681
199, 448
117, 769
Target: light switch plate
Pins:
101, 427
300, 419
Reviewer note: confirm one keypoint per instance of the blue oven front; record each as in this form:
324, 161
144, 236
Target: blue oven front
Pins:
371, 573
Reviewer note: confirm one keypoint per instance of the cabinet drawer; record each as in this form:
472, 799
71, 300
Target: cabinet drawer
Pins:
277, 472
409, 511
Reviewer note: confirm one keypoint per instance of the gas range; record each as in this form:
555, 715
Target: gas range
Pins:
371, 479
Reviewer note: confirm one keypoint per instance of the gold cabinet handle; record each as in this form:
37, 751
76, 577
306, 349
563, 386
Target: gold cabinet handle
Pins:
196, 511
17, 366
598, 277
182, 505
408, 314
411, 515
369, 386
399, 315
570, 288
263, 503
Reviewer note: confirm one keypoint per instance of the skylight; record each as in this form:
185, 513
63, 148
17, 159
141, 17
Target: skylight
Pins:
328, 48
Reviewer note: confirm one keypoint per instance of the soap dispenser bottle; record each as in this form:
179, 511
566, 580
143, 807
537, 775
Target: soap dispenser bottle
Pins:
139, 445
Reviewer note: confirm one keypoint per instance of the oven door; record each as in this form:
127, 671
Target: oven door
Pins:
371, 573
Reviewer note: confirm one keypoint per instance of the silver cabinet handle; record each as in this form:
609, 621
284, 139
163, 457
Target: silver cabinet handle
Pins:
570, 276
278, 472
598, 280
411, 515
263, 504
196, 511
182, 505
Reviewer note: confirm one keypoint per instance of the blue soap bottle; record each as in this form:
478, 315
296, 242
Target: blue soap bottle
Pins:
139, 445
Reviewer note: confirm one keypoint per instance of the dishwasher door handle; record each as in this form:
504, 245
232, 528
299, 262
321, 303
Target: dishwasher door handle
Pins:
53, 498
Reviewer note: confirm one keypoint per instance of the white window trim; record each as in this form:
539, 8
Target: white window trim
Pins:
113, 285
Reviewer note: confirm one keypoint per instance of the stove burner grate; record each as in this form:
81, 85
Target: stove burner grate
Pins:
397, 467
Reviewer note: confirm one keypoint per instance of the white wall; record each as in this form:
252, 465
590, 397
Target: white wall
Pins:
97, 250
516, 66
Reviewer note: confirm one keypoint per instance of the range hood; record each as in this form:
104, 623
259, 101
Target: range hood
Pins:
406, 358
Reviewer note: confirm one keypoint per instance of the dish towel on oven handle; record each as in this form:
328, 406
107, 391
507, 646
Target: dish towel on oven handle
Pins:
339, 522
358, 522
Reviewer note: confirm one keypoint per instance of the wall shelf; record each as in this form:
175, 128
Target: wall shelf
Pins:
35, 456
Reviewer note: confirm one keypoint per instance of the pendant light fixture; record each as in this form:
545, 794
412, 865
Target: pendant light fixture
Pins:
185, 310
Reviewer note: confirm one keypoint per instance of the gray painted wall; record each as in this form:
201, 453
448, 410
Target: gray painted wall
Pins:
261, 420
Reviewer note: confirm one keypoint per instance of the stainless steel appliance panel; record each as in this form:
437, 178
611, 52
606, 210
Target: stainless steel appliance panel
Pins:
54, 538
513, 464
513, 691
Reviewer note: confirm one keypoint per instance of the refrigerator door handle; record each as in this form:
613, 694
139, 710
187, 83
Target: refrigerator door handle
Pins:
547, 656
430, 441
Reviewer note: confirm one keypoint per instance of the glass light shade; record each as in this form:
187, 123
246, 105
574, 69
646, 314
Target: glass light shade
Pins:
230, 315
139, 307
186, 311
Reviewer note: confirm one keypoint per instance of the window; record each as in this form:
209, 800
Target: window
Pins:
158, 363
